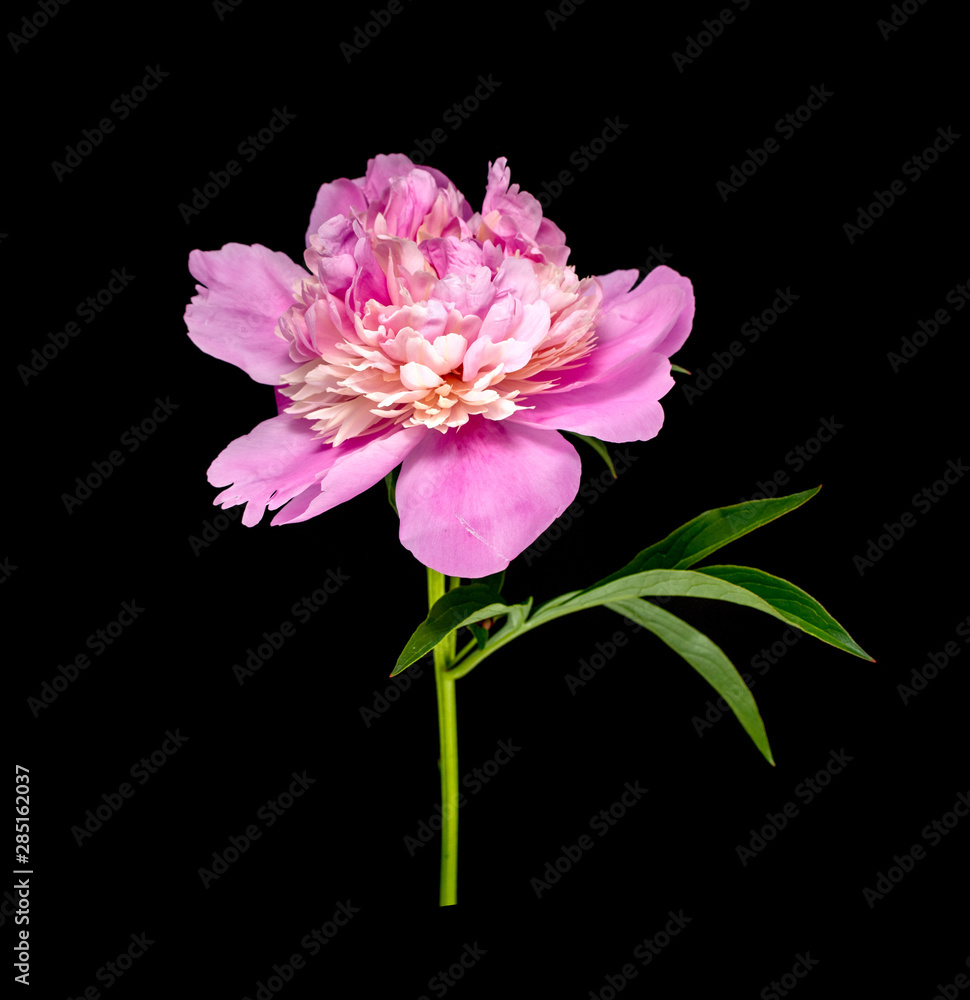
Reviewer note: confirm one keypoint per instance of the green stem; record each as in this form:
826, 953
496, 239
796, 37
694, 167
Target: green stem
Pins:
444, 656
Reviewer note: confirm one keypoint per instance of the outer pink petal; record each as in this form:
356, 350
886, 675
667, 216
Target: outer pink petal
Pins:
622, 407
679, 332
615, 285
357, 466
336, 198
636, 322
275, 461
471, 500
233, 318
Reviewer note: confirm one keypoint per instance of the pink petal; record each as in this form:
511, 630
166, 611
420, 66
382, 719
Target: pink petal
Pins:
679, 332
517, 205
616, 284
382, 169
472, 499
275, 461
636, 322
358, 465
233, 318
336, 198
621, 407
409, 200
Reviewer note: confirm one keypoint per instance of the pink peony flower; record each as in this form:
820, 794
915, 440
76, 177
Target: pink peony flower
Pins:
455, 342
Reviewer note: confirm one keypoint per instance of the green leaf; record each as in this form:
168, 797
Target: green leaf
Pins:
480, 634
599, 447
677, 368
496, 581
800, 609
688, 583
708, 532
460, 606
390, 480
706, 658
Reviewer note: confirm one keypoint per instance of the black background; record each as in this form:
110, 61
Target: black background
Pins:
636, 721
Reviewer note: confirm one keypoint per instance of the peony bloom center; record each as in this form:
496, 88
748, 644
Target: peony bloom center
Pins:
435, 348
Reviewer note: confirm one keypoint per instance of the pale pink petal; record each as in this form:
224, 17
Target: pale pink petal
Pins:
233, 318
472, 499
622, 407
517, 277
417, 376
358, 465
451, 348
